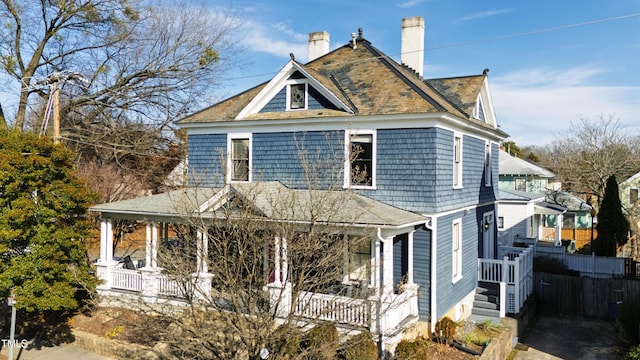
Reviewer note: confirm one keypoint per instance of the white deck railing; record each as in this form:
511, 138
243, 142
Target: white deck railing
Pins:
336, 308
168, 286
124, 279
515, 270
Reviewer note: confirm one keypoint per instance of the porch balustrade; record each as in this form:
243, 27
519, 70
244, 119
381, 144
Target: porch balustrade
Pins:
336, 308
124, 279
515, 274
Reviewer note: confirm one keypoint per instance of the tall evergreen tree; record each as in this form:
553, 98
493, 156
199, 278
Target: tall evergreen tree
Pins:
613, 226
43, 258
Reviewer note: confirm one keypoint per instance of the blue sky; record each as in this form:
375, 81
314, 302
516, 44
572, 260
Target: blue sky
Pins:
579, 58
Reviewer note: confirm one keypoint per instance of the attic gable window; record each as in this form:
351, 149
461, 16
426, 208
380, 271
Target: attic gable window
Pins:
633, 195
239, 158
478, 111
297, 96
360, 154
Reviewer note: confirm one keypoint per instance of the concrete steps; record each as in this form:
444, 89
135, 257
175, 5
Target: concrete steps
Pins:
486, 303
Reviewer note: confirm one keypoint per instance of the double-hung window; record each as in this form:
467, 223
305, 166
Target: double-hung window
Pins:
457, 161
487, 164
456, 243
239, 157
360, 164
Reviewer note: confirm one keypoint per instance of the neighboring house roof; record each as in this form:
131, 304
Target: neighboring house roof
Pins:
269, 201
514, 195
360, 81
631, 180
541, 206
569, 201
512, 165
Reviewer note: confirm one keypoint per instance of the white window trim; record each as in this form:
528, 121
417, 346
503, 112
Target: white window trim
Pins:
457, 181
347, 158
515, 183
306, 93
230, 138
476, 109
488, 173
456, 258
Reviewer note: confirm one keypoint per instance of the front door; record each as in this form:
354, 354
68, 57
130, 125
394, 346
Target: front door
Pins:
488, 239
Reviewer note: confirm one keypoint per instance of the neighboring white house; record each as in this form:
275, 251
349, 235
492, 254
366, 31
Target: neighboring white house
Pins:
522, 215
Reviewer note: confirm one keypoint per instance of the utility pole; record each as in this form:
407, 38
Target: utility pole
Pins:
53, 104
55, 92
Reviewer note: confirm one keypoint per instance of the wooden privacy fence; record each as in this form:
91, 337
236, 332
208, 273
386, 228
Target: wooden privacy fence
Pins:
581, 236
583, 296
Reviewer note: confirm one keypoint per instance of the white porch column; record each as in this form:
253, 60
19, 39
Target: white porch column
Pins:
285, 261
151, 245
202, 252
106, 262
387, 266
558, 229
276, 259
107, 230
375, 264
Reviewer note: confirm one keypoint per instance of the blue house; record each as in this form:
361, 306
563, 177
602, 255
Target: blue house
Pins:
420, 157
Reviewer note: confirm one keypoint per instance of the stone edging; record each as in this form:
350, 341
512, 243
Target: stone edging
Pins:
500, 347
117, 349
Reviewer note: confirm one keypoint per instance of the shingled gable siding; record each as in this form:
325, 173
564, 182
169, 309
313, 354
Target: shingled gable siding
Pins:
415, 170
315, 101
448, 292
206, 157
277, 156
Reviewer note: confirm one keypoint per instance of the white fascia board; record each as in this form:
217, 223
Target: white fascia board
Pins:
489, 112
424, 120
268, 92
273, 87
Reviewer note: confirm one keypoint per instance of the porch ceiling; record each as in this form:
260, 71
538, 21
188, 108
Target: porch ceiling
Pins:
269, 201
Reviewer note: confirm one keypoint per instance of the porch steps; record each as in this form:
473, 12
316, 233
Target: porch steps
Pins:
486, 303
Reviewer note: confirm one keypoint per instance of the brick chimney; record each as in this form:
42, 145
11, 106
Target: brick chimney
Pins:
318, 44
412, 47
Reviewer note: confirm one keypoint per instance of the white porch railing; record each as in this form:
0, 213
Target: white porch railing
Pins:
123, 279
169, 287
336, 308
515, 270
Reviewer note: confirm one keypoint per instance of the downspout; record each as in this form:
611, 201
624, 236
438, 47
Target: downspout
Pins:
379, 320
431, 224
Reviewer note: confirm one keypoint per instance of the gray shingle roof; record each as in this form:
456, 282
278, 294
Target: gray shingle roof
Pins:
268, 200
511, 165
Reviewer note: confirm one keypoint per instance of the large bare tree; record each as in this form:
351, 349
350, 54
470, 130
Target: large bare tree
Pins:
590, 152
139, 61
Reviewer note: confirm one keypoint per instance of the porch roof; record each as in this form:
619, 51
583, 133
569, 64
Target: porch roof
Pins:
545, 208
268, 201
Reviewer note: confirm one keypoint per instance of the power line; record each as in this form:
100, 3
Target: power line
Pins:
533, 32
479, 41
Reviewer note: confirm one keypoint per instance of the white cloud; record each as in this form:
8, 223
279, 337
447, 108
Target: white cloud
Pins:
278, 39
410, 3
482, 14
535, 106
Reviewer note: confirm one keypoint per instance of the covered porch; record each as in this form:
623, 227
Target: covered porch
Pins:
366, 291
